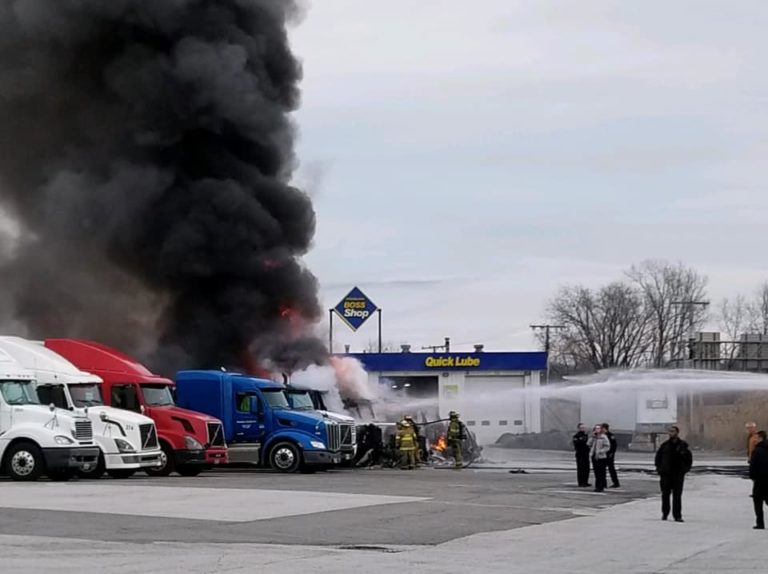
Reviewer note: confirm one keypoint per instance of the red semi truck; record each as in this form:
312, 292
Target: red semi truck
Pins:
190, 441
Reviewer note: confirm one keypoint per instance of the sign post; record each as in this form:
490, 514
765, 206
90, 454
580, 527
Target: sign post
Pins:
355, 309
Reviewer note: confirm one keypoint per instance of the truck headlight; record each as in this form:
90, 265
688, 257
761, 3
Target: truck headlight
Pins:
317, 444
124, 445
63, 440
192, 443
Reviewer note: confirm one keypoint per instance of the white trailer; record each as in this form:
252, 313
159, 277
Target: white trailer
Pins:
37, 440
127, 441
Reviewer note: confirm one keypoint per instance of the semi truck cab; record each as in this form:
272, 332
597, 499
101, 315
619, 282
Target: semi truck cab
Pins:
36, 439
128, 441
190, 441
312, 400
259, 424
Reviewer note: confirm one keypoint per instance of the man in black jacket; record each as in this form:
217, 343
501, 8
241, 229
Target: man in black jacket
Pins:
581, 448
673, 461
612, 456
758, 472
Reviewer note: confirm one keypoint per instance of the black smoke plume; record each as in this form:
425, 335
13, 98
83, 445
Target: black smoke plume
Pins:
146, 153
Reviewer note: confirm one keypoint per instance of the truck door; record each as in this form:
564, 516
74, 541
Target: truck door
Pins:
249, 417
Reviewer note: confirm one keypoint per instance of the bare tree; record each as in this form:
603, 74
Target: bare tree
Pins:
604, 328
733, 318
758, 311
670, 293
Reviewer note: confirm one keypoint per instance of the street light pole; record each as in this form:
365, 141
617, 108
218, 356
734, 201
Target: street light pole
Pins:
547, 345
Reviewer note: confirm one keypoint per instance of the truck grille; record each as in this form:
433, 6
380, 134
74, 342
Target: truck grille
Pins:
83, 430
334, 436
148, 436
348, 435
215, 435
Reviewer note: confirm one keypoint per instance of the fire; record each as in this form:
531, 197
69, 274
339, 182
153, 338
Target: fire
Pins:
296, 323
441, 444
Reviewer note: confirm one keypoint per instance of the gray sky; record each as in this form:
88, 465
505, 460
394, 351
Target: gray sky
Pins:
468, 158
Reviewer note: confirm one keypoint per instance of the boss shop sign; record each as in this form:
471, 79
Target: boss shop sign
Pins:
355, 309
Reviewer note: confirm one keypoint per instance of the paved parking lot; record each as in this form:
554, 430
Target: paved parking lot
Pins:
430, 520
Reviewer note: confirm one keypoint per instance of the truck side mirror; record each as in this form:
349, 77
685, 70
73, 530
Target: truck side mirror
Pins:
256, 406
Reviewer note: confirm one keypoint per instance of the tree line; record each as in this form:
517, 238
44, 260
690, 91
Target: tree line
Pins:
645, 318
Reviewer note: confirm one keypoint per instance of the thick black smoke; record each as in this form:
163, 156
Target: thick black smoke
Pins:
146, 150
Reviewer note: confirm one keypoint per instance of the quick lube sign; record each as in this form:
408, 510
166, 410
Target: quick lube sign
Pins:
355, 309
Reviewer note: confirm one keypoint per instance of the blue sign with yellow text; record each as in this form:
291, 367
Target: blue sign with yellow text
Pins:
355, 309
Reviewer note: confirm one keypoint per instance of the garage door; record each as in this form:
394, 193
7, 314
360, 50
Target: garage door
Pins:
494, 406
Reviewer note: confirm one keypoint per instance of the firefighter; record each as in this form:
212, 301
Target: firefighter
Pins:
406, 445
456, 435
416, 431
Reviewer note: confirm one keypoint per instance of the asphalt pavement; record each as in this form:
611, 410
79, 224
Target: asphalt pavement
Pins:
351, 520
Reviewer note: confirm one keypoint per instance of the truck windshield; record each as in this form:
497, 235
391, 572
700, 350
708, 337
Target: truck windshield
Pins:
86, 395
276, 398
301, 401
19, 393
157, 395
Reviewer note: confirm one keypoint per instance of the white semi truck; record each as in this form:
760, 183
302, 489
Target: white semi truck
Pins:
127, 441
36, 439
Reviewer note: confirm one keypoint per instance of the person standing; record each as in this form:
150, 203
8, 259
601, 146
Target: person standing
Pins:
612, 455
599, 445
456, 435
581, 449
758, 472
406, 445
752, 438
673, 461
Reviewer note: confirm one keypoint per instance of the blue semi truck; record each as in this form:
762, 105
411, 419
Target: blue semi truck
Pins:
260, 427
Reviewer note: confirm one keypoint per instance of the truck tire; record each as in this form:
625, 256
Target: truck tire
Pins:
166, 458
96, 472
285, 457
24, 462
189, 470
121, 473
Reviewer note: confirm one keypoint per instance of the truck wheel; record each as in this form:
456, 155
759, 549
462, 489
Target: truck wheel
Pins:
285, 457
96, 472
189, 470
122, 472
167, 465
25, 462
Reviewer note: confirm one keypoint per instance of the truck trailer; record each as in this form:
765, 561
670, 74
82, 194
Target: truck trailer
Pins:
36, 439
259, 424
127, 441
190, 441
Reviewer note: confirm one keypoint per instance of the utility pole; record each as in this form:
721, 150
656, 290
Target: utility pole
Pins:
446, 346
687, 307
547, 345
687, 311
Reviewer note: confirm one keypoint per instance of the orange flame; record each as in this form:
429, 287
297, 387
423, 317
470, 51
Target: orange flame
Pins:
441, 445
296, 323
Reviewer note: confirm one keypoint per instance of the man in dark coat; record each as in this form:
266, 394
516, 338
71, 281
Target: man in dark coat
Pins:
758, 472
581, 448
673, 461
612, 456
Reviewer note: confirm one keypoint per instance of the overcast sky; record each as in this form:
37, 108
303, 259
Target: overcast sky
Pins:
467, 158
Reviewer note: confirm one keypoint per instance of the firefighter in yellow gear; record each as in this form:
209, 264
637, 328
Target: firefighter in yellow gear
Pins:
406, 444
455, 437
409, 419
